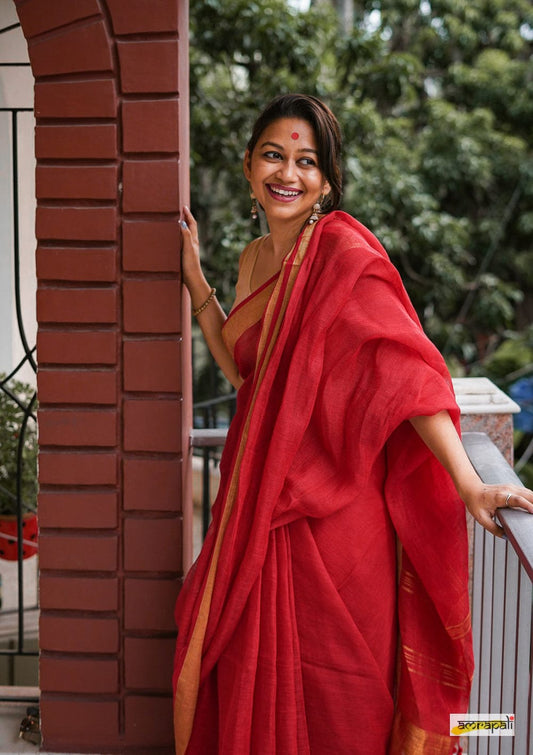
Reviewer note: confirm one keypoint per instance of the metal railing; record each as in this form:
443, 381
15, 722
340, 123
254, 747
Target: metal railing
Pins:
214, 417
502, 574
18, 402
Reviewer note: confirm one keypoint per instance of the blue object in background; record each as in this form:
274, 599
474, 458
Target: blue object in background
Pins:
522, 393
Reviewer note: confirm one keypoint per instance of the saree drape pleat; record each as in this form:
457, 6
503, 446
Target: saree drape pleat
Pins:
328, 610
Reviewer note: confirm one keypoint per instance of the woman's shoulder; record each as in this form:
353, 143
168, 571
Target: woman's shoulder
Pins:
343, 236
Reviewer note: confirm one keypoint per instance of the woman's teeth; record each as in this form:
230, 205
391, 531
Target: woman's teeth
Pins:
285, 192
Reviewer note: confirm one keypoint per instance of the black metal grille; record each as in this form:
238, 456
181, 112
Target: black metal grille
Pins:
215, 413
18, 429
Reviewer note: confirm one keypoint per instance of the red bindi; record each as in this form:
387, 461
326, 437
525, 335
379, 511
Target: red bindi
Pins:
295, 135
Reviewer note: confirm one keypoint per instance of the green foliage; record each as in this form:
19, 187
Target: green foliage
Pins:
435, 100
15, 395
512, 358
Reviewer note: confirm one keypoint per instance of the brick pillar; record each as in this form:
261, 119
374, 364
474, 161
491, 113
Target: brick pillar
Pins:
113, 382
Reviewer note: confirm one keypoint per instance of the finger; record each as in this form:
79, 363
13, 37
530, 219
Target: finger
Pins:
189, 217
188, 223
518, 501
490, 525
188, 233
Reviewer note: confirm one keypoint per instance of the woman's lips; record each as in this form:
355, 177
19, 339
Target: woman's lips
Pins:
283, 193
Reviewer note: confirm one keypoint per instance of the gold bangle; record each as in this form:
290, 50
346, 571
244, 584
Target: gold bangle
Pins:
206, 303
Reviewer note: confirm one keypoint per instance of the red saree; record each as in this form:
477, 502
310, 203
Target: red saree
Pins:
328, 610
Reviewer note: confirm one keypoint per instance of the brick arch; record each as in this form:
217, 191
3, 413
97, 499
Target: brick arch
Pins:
114, 385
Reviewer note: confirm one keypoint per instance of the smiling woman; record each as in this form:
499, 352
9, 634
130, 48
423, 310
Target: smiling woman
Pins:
287, 181
314, 602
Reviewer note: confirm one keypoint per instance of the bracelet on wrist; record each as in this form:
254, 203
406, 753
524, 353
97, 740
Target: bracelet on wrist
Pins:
206, 303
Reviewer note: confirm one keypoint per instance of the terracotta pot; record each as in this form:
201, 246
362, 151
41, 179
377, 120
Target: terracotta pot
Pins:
8, 546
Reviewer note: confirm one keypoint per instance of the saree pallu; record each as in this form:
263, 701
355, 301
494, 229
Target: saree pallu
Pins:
328, 610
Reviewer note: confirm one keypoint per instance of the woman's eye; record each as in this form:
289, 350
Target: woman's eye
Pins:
273, 155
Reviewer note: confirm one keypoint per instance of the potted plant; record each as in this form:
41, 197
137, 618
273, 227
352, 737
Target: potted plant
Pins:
18, 468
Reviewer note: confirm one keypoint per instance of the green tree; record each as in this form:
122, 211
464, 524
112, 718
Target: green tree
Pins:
435, 100
18, 437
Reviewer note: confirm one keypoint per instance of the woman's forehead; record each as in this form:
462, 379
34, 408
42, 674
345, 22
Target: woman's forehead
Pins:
294, 130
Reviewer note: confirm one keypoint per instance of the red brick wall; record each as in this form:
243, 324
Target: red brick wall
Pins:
113, 382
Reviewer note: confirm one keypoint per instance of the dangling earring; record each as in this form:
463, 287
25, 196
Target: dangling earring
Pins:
253, 211
317, 208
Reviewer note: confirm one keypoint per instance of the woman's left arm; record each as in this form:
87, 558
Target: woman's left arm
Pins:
440, 436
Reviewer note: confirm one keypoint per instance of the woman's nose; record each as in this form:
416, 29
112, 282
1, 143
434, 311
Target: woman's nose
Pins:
288, 170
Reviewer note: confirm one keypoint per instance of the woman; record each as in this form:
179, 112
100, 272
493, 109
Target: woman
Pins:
328, 610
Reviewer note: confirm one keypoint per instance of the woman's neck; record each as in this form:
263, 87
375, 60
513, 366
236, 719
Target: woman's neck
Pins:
283, 238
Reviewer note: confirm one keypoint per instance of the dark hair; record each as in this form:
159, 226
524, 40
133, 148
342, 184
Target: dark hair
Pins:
327, 134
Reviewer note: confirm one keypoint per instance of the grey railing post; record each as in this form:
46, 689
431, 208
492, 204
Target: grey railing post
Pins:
501, 589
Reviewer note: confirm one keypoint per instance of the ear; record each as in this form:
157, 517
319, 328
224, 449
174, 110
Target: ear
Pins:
247, 165
326, 189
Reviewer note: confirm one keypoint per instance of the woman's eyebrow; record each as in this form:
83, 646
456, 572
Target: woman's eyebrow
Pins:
280, 147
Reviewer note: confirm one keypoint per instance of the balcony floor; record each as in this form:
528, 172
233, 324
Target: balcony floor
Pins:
11, 714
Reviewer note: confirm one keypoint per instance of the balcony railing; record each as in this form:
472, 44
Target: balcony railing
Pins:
214, 416
502, 574
18, 593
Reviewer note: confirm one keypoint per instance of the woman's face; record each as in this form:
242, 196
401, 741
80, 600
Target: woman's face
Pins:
283, 171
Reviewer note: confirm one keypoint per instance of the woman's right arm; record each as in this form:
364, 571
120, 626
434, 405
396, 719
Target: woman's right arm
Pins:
212, 318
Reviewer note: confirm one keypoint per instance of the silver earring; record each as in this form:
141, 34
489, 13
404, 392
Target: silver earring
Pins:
317, 208
253, 211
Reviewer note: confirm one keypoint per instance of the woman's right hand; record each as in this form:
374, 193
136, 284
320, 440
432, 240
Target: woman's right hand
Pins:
210, 318
191, 267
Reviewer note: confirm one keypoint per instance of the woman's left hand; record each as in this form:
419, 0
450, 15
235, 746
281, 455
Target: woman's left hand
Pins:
484, 500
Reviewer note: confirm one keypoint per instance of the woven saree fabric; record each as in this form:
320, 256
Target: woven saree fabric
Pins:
328, 610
